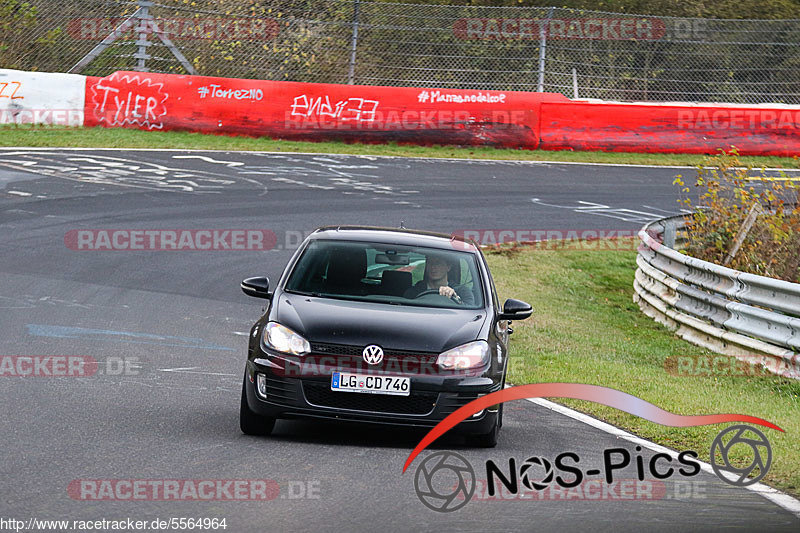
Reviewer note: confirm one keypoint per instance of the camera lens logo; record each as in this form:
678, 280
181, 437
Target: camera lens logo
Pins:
526, 473
444, 482
727, 465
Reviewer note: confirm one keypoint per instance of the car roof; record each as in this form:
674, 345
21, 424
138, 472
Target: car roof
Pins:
400, 236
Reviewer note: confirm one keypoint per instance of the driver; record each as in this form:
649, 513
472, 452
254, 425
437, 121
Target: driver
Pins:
437, 269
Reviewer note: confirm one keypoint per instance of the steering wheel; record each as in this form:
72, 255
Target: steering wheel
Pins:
456, 298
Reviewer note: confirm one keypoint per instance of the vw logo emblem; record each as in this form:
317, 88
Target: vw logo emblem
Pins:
373, 354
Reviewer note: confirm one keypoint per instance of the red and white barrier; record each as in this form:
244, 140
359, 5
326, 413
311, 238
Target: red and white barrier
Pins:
357, 113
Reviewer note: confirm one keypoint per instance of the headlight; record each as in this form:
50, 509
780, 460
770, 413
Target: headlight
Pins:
471, 355
282, 339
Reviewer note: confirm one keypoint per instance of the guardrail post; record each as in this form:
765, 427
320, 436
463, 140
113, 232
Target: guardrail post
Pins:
351, 72
670, 233
145, 19
543, 47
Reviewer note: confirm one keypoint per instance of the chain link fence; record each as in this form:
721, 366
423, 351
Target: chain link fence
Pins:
587, 54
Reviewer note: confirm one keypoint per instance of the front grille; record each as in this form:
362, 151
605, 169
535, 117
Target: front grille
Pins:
321, 348
419, 403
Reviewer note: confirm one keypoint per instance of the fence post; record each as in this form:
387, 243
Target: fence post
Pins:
125, 26
144, 17
575, 84
351, 73
543, 47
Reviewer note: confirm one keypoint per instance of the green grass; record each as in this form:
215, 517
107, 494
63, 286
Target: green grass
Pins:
54, 136
586, 329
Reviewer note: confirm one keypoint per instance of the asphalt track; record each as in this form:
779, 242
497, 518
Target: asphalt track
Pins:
180, 320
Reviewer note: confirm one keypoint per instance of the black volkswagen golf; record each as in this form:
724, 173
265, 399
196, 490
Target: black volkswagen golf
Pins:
379, 325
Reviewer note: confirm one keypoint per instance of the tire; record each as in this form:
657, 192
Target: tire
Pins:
252, 423
488, 440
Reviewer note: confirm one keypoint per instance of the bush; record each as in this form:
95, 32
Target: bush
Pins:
728, 192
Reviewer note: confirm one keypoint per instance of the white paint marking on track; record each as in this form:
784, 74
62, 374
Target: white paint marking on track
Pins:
18, 162
371, 157
775, 496
229, 164
192, 370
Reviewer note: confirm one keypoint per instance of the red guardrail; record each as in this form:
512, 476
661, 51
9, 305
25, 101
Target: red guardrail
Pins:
617, 127
315, 111
358, 113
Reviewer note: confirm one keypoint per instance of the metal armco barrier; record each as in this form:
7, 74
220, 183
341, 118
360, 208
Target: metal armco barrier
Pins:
754, 318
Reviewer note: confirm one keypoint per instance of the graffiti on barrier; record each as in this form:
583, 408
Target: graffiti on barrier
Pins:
124, 99
354, 109
10, 89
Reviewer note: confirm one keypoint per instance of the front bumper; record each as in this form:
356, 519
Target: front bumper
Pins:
432, 399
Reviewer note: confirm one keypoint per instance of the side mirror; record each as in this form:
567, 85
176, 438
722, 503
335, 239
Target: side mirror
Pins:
515, 310
257, 287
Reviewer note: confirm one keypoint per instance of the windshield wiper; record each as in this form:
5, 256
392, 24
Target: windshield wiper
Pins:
303, 293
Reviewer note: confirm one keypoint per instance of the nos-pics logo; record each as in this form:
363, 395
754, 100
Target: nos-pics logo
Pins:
445, 481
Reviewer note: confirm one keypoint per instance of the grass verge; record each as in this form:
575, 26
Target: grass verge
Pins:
55, 136
586, 329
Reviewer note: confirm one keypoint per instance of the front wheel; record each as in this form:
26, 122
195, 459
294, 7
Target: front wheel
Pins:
252, 423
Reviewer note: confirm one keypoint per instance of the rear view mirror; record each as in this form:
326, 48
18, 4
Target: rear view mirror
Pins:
391, 259
515, 310
257, 287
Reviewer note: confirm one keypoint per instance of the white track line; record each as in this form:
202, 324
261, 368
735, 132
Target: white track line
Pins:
779, 498
367, 156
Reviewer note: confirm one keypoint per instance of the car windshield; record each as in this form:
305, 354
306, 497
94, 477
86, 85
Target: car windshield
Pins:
388, 273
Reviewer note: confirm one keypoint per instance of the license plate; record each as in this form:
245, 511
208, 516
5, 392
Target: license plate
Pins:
346, 382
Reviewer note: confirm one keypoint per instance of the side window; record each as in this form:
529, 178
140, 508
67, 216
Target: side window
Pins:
491, 283
466, 274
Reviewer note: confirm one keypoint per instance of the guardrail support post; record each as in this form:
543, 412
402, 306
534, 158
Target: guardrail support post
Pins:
145, 19
543, 47
351, 71
146, 23
670, 233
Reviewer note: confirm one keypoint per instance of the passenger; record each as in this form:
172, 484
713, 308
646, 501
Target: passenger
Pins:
437, 270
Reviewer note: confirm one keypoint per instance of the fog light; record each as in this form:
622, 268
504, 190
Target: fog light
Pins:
261, 385
479, 413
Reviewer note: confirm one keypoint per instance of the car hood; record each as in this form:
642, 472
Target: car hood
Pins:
328, 320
